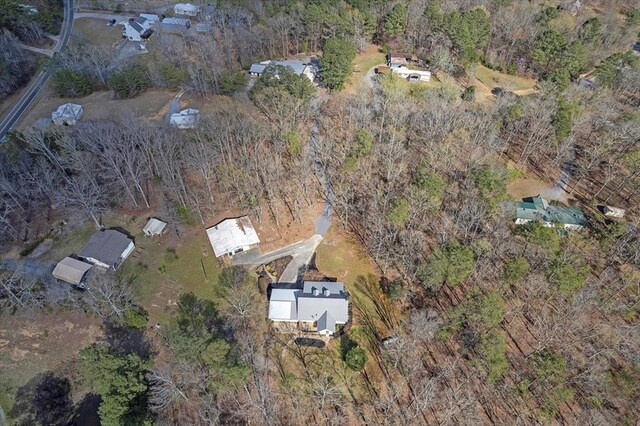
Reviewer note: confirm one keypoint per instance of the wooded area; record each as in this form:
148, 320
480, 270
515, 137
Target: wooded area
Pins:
490, 322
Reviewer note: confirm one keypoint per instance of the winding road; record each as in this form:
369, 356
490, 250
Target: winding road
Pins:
40, 81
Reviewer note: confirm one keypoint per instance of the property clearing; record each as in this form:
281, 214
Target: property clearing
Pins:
102, 106
35, 344
97, 32
370, 57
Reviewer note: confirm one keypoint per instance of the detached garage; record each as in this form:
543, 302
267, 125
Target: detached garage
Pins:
232, 236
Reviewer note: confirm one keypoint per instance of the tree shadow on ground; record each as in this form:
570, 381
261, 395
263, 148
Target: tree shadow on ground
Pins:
126, 340
45, 400
86, 412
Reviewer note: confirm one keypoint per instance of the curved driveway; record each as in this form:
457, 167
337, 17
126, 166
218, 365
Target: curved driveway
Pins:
40, 81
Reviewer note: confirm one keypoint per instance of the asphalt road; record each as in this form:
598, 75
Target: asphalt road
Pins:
40, 81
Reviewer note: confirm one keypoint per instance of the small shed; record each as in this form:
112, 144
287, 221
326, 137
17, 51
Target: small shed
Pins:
187, 9
71, 270
615, 212
232, 236
67, 114
152, 18
185, 119
203, 27
154, 227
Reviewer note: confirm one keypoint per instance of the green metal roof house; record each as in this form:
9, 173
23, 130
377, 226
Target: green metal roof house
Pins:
537, 208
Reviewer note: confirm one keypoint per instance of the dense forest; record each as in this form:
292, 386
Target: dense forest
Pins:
493, 323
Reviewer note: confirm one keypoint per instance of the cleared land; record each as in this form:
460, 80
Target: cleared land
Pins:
102, 106
35, 344
97, 32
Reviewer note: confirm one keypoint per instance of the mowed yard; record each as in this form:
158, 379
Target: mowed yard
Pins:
160, 268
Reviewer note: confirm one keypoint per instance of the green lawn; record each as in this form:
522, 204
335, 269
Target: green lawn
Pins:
160, 268
493, 79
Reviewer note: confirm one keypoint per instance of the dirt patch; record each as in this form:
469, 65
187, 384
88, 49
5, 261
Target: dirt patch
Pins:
34, 344
277, 267
528, 187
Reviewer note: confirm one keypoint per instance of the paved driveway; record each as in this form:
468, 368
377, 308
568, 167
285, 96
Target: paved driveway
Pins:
302, 251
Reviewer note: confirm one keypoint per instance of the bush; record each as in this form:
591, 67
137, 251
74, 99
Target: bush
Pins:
135, 317
172, 75
71, 84
398, 214
493, 351
469, 94
516, 269
356, 358
129, 82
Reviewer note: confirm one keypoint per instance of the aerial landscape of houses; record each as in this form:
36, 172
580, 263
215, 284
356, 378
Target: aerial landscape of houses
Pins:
292, 213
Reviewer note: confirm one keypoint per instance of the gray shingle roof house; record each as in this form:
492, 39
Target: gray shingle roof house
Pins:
298, 67
537, 208
108, 248
322, 304
71, 270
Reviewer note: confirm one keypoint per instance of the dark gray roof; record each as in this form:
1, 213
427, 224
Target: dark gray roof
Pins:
312, 307
106, 246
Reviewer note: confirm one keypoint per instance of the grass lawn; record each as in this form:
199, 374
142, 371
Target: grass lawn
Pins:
492, 79
97, 32
160, 268
369, 58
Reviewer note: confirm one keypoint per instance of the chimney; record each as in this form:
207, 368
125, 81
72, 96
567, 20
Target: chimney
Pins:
326, 292
315, 292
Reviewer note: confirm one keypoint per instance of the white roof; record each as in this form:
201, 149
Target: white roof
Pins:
231, 235
282, 304
154, 226
68, 111
150, 17
185, 119
186, 6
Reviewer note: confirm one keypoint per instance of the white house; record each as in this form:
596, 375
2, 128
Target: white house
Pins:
186, 9
137, 29
411, 75
185, 119
154, 227
71, 270
67, 114
299, 67
108, 249
318, 306
232, 236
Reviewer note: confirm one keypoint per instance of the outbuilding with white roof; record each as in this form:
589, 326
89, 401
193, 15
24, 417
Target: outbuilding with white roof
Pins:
232, 236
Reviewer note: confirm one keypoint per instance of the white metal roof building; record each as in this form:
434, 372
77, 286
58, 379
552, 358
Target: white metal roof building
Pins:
187, 9
185, 119
67, 114
71, 270
154, 227
283, 304
232, 236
